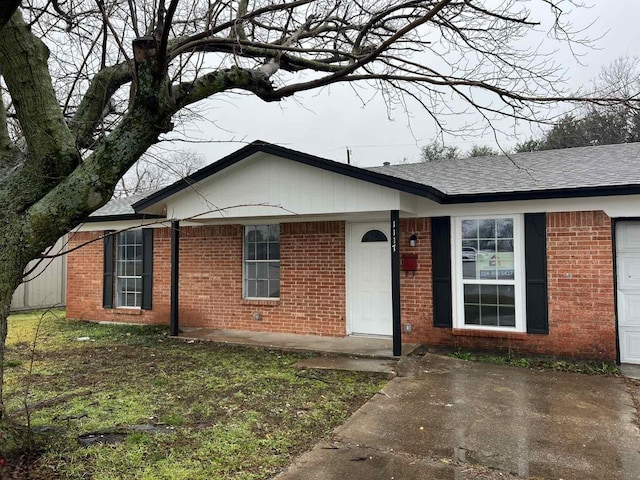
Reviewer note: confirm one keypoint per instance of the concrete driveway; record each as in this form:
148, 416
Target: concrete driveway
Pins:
443, 418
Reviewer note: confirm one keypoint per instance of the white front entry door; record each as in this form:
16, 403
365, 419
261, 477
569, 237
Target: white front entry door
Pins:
369, 279
628, 270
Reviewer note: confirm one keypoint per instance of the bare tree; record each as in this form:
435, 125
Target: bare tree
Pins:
595, 124
89, 86
153, 171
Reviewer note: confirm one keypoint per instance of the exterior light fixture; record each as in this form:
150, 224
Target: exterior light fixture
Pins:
413, 240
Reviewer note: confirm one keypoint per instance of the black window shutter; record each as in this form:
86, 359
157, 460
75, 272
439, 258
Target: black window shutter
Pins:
147, 268
441, 266
535, 254
107, 280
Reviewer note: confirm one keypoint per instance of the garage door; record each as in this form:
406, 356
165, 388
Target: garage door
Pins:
628, 268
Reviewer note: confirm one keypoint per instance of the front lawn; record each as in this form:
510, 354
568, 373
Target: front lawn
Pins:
234, 413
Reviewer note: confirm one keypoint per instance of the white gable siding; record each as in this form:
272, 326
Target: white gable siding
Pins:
269, 186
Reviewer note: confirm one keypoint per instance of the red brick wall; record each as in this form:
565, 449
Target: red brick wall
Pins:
84, 281
312, 281
416, 299
580, 286
580, 281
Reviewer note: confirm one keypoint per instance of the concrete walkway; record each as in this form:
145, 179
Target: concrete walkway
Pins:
444, 418
377, 347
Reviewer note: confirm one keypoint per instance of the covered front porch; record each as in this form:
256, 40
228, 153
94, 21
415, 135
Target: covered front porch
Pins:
361, 346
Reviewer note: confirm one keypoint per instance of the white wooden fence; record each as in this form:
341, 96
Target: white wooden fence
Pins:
46, 286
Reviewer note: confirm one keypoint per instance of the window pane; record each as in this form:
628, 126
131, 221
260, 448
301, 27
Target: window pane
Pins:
469, 269
489, 294
262, 289
250, 270
263, 270
506, 295
507, 316
504, 227
132, 299
374, 236
250, 234
505, 266
469, 256
472, 294
274, 288
487, 270
261, 251
469, 229
262, 233
469, 246
505, 246
489, 315
488, 246
250, 288
127, 269
487, 228
472, 314
274, 270
250, 251
274, 251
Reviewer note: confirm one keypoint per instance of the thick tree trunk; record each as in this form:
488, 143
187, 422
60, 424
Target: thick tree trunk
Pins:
10, 277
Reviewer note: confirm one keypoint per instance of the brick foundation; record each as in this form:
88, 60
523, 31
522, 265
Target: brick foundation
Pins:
313, 297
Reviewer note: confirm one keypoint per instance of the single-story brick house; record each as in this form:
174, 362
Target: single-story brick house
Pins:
535, 252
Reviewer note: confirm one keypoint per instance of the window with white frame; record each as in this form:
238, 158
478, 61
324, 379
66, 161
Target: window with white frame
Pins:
129, 269
262, 261
490, 271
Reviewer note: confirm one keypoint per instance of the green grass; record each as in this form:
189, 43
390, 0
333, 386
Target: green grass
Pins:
586, 367
236, 413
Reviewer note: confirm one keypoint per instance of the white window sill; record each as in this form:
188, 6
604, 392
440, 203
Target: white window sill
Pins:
126, 310
261, 301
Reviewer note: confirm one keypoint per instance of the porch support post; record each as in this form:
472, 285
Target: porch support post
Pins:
395, 282
175, 277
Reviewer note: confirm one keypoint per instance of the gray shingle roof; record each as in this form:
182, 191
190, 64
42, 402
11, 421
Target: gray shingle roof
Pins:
119, 206
583, 167
583, 171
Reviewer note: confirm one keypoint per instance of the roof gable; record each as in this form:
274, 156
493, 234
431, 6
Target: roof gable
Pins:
567, 173
257, 147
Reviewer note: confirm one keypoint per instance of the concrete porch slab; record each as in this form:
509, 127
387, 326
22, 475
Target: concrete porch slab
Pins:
375, 347
351, 364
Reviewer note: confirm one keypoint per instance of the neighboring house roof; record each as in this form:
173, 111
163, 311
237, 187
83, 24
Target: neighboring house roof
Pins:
120, 209
571, 172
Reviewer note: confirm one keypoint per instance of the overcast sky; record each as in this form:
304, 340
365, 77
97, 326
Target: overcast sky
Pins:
328, 122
